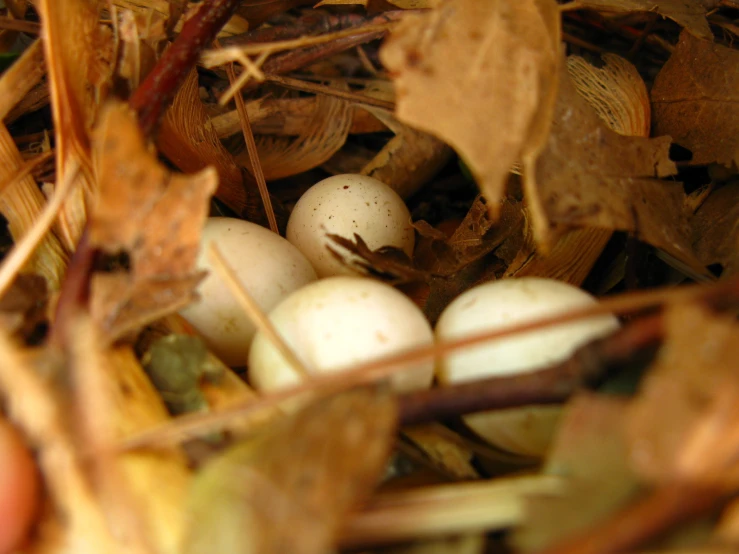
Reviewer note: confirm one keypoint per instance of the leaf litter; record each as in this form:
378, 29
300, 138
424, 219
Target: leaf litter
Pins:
518, 154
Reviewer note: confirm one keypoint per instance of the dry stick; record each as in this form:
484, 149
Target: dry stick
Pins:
313, 23
252, 309
646, 519
305, 86
191, 425
301, 52
154, 95
589, 365
251, 148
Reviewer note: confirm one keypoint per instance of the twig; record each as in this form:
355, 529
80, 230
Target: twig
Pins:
192, 425
153, 96
589, 365
312, 23
305, 86
646, 519
150, 100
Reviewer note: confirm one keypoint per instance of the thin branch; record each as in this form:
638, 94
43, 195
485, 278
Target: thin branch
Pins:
306, 86
189, 426
588, 366
154, 95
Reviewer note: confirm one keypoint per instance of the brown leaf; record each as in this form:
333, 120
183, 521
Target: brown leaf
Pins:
590, 176
154, 216
696, 100
590, 454
683, 424
388, 263
482, 77
291, 489
691, 14
716, 229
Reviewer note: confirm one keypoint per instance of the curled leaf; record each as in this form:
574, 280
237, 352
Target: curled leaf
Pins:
304, 475
504, 56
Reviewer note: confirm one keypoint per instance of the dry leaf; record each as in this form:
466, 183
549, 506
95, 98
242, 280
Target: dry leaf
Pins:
292, 488
37, 408
191, 143
78, 65
691, 14
619, 96
481, 76
151, 214
590, 455
683, 425
716, 229
388, 263
590, 176
695, 98
321, 138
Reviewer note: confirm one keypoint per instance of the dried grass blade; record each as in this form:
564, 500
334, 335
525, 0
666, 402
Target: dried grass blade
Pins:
29, 218
446, 510
21, 77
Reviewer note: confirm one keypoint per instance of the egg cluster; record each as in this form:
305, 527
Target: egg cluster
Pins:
334, 318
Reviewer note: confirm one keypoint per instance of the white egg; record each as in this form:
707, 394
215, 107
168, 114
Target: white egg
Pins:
501, 304
267, 266
339, 322
344, 205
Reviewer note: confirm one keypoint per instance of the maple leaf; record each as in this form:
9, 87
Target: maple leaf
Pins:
716, 229
590, 176
695, 100
482, 77
153, 215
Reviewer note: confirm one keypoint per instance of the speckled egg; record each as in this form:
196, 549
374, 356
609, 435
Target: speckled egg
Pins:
267, 266
339, 322
345, 205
